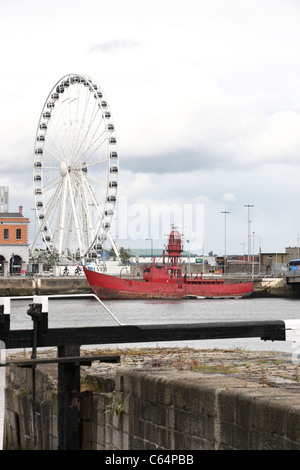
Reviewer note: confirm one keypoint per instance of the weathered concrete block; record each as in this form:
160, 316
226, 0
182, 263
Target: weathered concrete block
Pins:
173, 410
293, 422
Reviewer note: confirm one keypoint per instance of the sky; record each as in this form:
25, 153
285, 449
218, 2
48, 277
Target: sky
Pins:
205, 97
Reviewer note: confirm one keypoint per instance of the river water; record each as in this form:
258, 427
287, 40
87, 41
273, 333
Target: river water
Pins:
81, 312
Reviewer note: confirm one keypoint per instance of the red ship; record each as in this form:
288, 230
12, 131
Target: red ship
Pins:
165, 281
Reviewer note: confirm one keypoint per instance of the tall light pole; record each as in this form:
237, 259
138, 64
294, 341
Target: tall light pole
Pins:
259, 250
225, 213
151, 239
249, 231
189, 249
188, 242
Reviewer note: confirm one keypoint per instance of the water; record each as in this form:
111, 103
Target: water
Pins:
81, 312
70, 312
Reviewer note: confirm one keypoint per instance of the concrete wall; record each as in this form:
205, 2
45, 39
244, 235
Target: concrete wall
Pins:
79, 285
158, 409
22, 286
19, 424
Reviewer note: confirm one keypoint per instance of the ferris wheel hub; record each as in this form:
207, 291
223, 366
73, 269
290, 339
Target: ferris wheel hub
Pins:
63, 170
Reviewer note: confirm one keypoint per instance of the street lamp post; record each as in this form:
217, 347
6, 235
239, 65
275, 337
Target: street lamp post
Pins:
249, 230
151, 239
225, 213
188, 243
189, 251
259, 250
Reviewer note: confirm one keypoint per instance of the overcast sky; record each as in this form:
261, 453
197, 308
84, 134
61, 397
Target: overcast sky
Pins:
206, 103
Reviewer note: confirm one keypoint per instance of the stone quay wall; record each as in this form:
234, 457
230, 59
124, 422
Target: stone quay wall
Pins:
26, 286
65, 285
160, 407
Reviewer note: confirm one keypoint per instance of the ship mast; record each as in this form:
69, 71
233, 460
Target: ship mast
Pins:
174, 252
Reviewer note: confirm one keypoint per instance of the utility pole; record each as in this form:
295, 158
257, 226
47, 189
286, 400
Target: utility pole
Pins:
225, 213
249, 231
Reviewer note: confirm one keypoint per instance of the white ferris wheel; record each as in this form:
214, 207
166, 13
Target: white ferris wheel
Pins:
75, 168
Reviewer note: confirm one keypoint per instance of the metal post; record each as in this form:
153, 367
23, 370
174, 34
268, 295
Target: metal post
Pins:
4, 320
225, 255
249, 231
68, 399
40, 323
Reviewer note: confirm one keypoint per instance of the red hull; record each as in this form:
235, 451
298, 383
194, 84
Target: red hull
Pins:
110, 287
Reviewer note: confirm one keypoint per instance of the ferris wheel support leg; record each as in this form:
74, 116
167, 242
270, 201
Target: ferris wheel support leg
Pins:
114, 247
62, 217
75, 217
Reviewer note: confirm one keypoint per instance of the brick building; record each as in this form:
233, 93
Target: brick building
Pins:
14, 248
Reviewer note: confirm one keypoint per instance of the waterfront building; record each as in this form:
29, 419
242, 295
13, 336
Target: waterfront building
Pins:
293, 252
14, 247
4, 190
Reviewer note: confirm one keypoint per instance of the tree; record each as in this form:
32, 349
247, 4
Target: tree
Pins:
124, 254
53, 258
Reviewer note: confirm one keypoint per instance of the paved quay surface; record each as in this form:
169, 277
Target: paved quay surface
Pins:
267, 368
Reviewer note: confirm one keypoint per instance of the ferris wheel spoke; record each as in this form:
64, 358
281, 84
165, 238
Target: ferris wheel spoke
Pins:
73, 113
55, 220
57, 136
95, 176
57, 153
86, 212
50, 185
84, 140
94, 199
61, 217
82, 127
68, 229
50, 204
95, 137
101, 139
61, 140
74, 214
97, 162
87, 200
96, 179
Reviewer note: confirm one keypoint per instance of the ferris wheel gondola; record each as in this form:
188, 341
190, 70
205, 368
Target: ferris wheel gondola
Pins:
75, 168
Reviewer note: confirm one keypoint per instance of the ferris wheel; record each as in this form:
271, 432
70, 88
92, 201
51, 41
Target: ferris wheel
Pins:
75, 168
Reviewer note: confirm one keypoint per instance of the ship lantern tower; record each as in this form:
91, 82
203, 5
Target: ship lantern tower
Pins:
174, 248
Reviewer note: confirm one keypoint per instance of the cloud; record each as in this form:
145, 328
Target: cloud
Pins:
184, 160
229, 197
227, 137
114, 46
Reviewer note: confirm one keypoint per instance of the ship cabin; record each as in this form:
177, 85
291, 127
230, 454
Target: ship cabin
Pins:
156, 273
